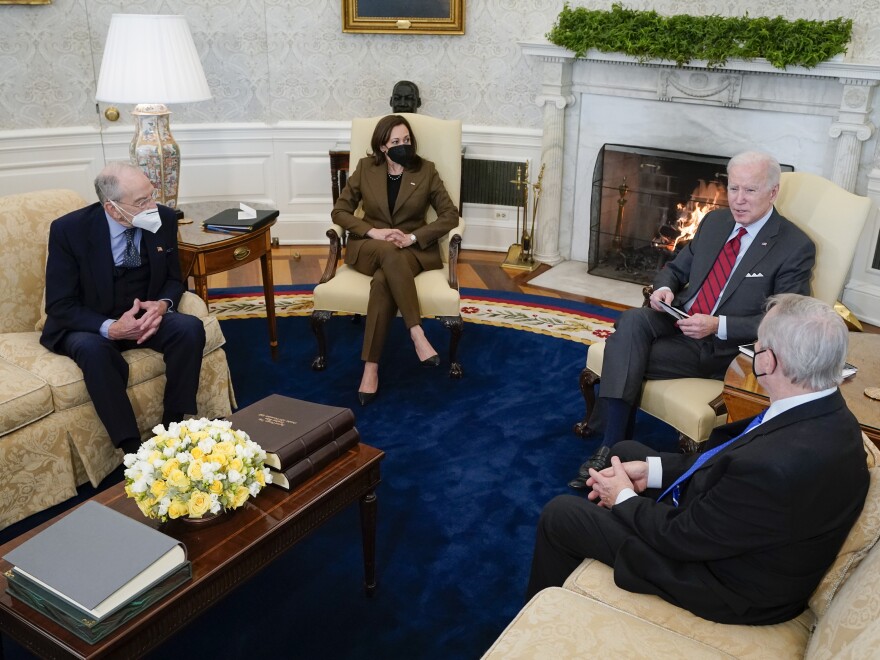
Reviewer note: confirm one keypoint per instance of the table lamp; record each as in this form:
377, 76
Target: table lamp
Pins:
151, 60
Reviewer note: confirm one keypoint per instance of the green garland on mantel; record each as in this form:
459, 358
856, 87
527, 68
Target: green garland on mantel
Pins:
647, 35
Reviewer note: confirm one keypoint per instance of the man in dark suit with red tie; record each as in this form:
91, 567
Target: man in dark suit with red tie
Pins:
737, 258
112, 283
744, 532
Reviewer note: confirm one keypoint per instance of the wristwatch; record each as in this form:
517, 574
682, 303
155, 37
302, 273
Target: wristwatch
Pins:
413, 238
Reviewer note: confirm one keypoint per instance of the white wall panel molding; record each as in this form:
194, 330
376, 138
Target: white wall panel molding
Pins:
284, 165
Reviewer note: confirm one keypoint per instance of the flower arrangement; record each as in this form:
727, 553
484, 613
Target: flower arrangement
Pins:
194, 467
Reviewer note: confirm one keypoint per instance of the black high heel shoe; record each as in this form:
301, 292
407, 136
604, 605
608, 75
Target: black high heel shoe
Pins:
433, 361
366, 398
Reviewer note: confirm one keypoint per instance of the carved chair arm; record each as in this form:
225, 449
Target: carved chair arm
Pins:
334, 234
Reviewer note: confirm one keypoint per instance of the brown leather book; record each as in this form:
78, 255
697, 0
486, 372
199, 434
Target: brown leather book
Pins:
290, 429
321, 458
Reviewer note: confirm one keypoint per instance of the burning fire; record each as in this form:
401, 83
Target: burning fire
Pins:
705, 197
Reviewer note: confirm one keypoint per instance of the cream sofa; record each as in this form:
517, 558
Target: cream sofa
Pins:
590, 615
51, 440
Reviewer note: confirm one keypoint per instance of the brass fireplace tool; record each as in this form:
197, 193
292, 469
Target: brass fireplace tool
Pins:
521, 255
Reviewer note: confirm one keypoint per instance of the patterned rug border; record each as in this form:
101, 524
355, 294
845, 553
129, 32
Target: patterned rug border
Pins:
537, 314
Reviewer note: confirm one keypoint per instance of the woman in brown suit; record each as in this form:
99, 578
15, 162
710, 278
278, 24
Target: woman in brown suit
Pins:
392, 242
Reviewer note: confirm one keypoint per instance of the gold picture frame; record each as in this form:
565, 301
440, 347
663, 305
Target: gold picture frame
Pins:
25, 2
403, 16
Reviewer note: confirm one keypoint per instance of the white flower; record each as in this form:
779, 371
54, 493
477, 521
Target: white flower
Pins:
254, 488
234, 476
267, 475
140, 486
129, 460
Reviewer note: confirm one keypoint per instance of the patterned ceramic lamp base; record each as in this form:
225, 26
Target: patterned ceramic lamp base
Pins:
154, 150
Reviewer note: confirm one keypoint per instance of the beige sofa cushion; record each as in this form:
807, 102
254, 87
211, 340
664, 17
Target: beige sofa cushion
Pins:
24, 398
782, 640
850, 627
24, 231
558, 624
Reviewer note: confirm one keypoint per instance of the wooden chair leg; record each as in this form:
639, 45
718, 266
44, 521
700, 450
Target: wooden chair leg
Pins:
587, 381
455, 325
318, 319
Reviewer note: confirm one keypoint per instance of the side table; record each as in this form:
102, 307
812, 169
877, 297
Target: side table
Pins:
745, 397
204, 253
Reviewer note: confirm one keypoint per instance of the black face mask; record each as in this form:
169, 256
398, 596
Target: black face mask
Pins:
402, 154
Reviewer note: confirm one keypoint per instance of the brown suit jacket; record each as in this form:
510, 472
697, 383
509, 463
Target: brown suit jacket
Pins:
418, 191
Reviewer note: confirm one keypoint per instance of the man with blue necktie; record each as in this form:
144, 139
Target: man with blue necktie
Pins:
744, 532
112, 283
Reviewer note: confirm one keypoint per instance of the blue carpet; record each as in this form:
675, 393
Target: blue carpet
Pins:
469, 465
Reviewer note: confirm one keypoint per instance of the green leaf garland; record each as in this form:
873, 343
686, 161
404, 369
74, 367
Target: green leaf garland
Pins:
646, 35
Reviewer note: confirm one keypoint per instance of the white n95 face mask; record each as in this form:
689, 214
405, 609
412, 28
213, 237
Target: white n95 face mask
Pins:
148, 220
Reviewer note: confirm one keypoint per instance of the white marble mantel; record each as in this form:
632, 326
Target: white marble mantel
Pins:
820, 120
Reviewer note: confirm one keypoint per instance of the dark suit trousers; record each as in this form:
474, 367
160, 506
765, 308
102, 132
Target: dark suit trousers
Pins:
646, 345
393, 287
181, 340
572, 528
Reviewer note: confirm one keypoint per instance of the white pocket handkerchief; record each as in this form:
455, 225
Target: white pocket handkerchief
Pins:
754, 274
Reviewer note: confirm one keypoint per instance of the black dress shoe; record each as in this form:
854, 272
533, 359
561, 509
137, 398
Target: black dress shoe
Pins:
366, 398
600, 460
433, 361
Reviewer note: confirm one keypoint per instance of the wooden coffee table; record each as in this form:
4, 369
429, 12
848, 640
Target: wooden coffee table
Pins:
744, 397
223, 555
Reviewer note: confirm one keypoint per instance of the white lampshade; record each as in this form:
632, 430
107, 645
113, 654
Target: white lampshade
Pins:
151, 59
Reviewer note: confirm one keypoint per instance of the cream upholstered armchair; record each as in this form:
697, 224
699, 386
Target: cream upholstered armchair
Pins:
343, 290
833, 218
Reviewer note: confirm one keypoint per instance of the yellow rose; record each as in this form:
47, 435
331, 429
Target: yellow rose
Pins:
199, 503
197, 453
224, 449
158, 488
169, 466
194, 471
220, 459
154, 455
216, 487
177, 508
260, 477
240, 495
236, 464
178, 479
145, 508
129, 491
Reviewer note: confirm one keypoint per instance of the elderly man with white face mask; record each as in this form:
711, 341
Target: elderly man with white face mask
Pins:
112, 282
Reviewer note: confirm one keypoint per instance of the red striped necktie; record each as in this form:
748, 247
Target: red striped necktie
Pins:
714, 284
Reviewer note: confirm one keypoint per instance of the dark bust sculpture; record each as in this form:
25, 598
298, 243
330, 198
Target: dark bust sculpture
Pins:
405, 97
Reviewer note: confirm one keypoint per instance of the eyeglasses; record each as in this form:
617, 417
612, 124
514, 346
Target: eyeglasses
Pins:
755, 357
143, 202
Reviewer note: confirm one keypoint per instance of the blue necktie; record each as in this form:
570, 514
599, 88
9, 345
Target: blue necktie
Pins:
675, 487
130, 258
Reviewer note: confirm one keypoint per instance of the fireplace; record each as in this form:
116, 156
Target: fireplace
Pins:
647, 204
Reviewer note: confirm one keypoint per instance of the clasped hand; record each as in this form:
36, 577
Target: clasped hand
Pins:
395, 236
695, 326
140, 322
608, 483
